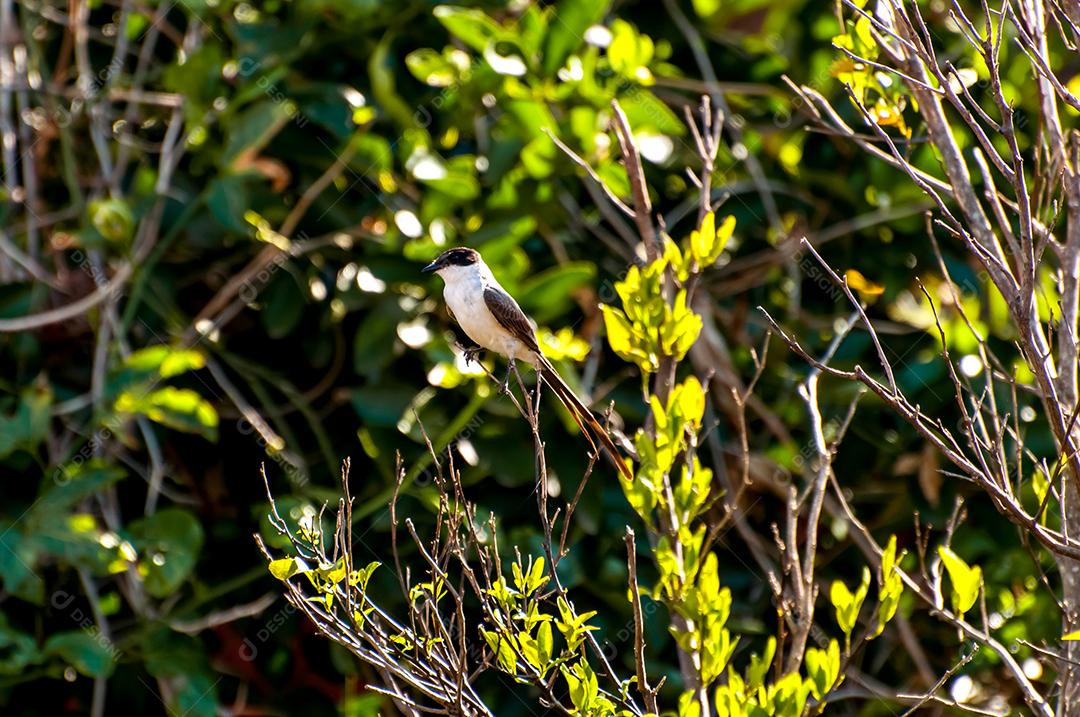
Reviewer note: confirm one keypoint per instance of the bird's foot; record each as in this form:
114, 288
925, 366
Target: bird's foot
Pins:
506, 381
472, 355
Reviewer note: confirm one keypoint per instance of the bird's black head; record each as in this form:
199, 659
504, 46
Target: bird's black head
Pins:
458, 256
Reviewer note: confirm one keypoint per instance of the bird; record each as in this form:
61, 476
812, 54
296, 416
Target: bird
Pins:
492, 319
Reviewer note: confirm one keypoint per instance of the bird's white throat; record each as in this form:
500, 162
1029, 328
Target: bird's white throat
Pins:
464, 294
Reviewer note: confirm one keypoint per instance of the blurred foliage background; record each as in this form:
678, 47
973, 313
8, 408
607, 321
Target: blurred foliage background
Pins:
260, 183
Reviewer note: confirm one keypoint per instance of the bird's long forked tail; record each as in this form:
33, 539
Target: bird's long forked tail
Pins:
585, 419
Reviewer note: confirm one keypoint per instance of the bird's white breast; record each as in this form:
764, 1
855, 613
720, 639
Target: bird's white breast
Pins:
464, 294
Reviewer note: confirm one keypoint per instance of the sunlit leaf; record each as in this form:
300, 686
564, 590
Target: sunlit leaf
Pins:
823, 668
113, 219
179, 408
848, 603
567, 30
866, 288
431, 67
166, 361
283, 569
473, 27
966, 580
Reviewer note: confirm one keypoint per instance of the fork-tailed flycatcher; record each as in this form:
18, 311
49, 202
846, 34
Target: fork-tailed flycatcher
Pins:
492, 319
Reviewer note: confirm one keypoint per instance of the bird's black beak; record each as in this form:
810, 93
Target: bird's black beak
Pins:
433, 266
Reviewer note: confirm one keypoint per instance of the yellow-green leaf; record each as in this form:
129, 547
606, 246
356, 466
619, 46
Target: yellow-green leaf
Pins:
283, 569
708, 242
823, 668
848, 603
179, 408
966, 580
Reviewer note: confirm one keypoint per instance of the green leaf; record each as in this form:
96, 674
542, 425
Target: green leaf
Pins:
284, 568
18, 558
732, 700
567, 28
178, 408
90, 654
643, 492
573, 627
718, 649
181, 660
17, 649
690, 395
864, 32
619, 331
196, 78
283, 302
688, 705
322, 104
545, 644
112, 218
336, 573
625, 341
527, 646
849, 604
536, 578
759, 666
573, 683
228, 198
549, 293
165, 361
708, 242
195, 695
788, 696
694, 488
706, 8
583, 687
363, 575
473, 27
381, 67
71, 484
146, 368
371, 154
645, 111
702, 238
382, 404
28, 425
253, 129
431, 67
823, 669
519, 577
891, 586
1040, 484
168, 542
680, 328
459, 180
966, 580
630, 52
538, 157
503, 650
889, 562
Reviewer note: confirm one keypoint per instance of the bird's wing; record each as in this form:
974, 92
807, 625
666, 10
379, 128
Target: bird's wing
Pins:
510, 316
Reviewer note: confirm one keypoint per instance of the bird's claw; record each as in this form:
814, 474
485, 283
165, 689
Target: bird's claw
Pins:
506, 381
472, 355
